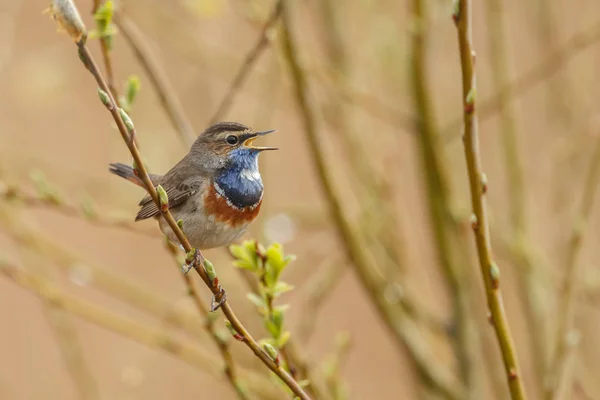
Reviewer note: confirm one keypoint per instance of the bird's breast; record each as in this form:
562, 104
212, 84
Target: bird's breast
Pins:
218, 204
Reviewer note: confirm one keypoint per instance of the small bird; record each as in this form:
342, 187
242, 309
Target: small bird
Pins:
216, 189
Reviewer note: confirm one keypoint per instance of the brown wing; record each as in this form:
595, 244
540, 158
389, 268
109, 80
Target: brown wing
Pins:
177, 196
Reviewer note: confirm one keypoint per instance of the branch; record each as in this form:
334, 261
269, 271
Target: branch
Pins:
14, 193
105, 43
220, 342
160, 82
402, 330
249, 61
143, 334
530, 79
478, 187
521, 253
67, 15
565, 335
451, 250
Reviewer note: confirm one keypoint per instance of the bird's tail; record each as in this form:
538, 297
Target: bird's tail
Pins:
126, 172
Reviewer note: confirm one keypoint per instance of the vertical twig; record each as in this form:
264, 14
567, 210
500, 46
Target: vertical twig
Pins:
220, 342
104, 46
478, 187
566, 336
445, 227
516, 188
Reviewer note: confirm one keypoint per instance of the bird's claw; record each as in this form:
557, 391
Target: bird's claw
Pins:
218, 300
188, 266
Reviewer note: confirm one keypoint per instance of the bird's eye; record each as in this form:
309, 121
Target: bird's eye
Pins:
231, 139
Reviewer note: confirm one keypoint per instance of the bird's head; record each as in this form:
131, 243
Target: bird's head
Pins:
228, 145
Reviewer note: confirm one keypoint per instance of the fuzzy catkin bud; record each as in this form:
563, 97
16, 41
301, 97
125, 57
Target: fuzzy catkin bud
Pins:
66, 15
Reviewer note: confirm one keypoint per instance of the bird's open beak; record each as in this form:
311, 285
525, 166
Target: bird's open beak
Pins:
255, 135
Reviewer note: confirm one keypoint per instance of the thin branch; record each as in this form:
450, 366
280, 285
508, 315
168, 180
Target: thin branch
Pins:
159, 80
199, 263
94, 217
146, 335
528, 285
220, 342
249, 62
319, 288
66, 335
404, 331
558, 380
478, 187
105, 49
451, 250
530, 79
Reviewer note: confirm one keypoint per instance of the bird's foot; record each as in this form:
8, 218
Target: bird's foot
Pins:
190, 264
218, 300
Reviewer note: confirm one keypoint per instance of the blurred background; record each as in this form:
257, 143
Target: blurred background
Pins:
388, 299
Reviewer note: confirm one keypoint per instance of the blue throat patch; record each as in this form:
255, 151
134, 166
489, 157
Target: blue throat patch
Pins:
240, 180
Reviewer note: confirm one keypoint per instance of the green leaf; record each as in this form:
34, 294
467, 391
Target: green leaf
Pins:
283, 339
272, 328
280, 288
133, 87
244, 265
256, 300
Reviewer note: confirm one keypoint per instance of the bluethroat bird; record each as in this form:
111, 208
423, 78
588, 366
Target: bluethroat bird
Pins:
216, 188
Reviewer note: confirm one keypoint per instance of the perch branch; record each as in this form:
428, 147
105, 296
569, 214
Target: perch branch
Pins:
199, 263
477, 184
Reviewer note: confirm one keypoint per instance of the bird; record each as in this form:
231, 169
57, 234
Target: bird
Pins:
215, 190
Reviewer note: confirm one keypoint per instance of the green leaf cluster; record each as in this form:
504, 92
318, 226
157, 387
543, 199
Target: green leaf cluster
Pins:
105, 29
267, 264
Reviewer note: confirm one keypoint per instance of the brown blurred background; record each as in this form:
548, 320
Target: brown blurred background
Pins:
52, 122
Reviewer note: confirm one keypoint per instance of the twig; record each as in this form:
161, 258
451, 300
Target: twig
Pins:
516, 189
249, 61
128, 133
12, 193
478, 186
530, 79
557, 377
321, 286
66, 335
105, 47
405, 333
221, 343
451, 251
160, 82
143, 334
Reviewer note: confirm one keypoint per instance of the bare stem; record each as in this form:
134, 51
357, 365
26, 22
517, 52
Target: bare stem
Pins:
565, 335
477, 184
249, 61
220, 342
516, 187
143, 334
530, 79
159, 80
446, 230
94, 217
402, 329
